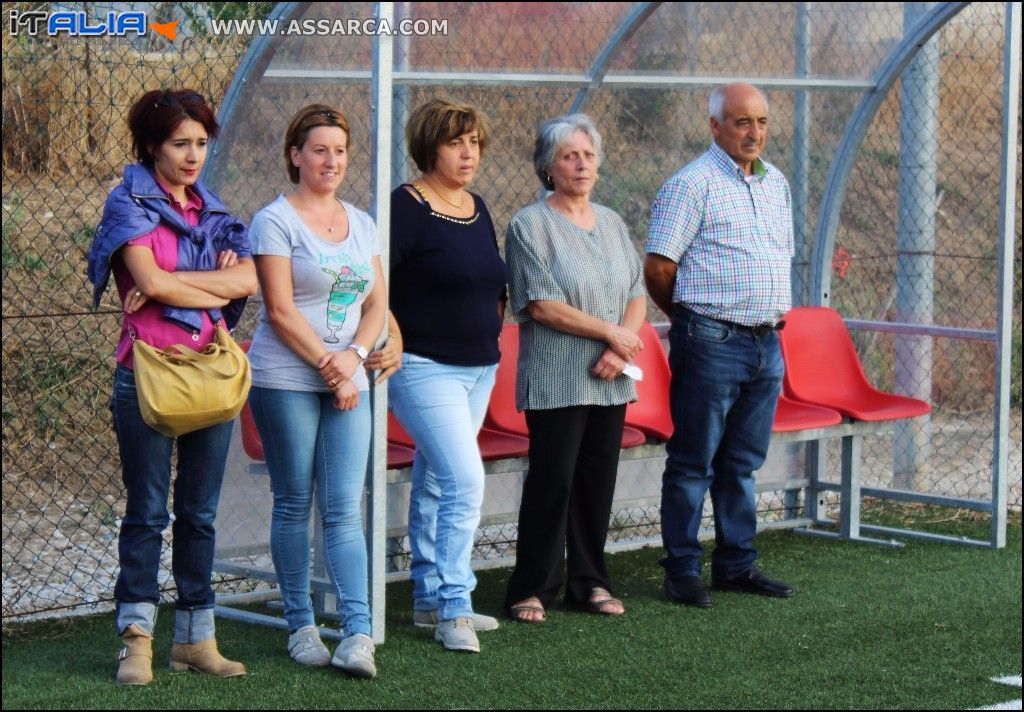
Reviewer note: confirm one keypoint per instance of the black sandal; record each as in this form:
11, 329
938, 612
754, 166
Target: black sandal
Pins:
516, 611
599, 602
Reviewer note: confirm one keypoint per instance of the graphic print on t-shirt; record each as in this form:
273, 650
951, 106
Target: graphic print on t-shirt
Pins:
348, 284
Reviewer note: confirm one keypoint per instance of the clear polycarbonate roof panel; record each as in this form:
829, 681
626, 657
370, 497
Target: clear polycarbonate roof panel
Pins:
506, 37
845, 40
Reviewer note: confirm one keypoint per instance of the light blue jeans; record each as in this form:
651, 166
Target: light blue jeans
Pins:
442, 407
306, 440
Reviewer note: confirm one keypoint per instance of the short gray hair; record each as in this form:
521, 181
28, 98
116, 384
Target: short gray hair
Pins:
555, 133
716, 104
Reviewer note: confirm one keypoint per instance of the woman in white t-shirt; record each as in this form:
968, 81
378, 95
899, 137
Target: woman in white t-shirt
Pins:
324, 302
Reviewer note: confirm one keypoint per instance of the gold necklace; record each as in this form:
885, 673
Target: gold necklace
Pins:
451, 203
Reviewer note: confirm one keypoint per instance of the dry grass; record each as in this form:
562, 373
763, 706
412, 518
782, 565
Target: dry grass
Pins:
64, 104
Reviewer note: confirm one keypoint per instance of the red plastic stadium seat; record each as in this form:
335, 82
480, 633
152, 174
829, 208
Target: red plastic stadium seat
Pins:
650, 413
494, 444
791, 415
498, 445
822, 368
502, 415
501, 410
250, 436
397, 434
399, 457
631, 437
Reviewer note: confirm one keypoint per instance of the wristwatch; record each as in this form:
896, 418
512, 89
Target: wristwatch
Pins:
360, 351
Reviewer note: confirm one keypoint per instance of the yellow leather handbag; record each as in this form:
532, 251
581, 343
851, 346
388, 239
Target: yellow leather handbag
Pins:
181, 390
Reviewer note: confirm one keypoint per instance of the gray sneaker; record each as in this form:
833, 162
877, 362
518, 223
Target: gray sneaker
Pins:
306, 648
429, 619
355, 656
457, 634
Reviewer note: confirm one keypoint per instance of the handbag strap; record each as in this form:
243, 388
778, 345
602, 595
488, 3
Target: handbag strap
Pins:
202, 360
195, 334
219, 324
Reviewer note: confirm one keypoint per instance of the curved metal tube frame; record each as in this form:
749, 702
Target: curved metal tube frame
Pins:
599, 68
259, 55
849, 147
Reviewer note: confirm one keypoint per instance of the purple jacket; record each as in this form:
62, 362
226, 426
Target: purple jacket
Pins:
136, 207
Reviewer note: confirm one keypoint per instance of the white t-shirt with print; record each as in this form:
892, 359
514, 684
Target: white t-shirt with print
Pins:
330, 282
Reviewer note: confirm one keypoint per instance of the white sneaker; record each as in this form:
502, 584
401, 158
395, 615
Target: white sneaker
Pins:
355, 656
306, 648
457, 634
429, 619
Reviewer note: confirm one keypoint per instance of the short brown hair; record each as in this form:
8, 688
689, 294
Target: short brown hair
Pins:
157, 113
305, 120
438, 121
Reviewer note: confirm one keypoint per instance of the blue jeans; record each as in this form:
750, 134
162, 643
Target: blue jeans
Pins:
442, 407
306, 440
725, 385
146, 472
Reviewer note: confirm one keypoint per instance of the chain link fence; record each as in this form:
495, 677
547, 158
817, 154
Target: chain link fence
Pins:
64, 142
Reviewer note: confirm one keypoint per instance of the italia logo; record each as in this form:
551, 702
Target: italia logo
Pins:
79, 24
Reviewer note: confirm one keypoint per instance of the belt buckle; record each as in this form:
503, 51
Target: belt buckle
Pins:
766, 328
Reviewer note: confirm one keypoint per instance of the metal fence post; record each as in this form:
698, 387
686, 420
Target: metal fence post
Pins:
400, 102
382, 79
915, 277
799, 181
800, 177
1007, 236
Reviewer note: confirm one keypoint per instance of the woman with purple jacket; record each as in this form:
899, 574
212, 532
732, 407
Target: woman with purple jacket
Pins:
182, 267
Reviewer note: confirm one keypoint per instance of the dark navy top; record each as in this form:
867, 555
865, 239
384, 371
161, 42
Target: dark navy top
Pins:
447, 277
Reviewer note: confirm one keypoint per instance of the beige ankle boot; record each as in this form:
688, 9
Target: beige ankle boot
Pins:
136, 657
203, 657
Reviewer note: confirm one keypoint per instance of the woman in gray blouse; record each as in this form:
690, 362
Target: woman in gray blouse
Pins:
576, 288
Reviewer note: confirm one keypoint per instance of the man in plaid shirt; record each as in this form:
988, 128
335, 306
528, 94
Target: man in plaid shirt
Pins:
718, 260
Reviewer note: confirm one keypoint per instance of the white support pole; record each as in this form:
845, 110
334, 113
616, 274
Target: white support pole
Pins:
1007, 237
380, 110
799, 180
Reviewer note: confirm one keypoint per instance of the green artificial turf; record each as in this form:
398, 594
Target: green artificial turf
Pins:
926, 626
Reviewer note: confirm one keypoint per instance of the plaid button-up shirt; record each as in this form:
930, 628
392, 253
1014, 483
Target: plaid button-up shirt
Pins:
732, 236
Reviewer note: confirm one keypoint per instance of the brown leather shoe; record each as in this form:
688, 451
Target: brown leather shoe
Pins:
136, 657
204, 657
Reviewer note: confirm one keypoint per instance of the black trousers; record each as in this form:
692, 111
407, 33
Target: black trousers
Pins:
567, 500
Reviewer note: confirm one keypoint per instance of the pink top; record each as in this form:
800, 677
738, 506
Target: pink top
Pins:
148, 323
